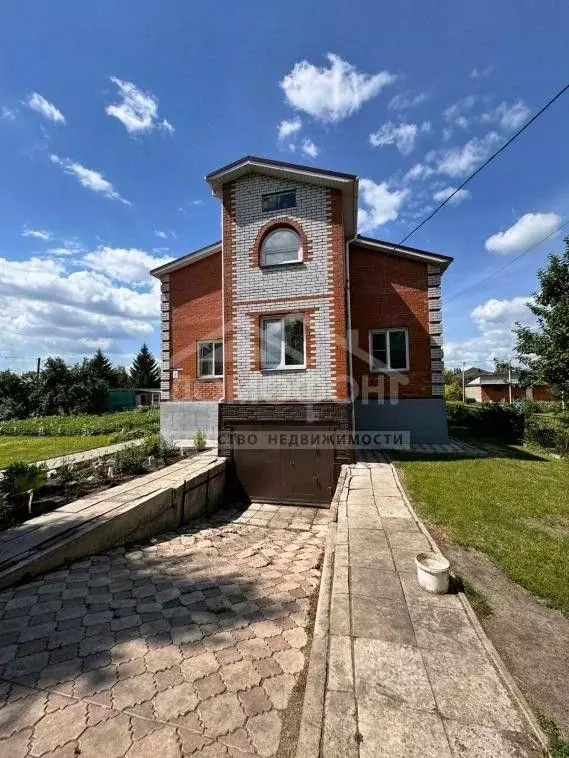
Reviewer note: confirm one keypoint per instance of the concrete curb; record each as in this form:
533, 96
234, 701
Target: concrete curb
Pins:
493, 654
312, 719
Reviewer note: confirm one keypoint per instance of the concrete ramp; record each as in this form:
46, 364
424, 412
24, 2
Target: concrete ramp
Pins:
129, 512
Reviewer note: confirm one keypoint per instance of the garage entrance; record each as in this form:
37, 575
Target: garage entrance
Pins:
271, 468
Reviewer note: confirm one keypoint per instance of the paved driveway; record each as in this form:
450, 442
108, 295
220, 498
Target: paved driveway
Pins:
190, 645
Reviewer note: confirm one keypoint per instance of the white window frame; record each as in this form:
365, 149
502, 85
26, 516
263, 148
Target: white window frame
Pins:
213, 375
282, 366
299, 254
387, 332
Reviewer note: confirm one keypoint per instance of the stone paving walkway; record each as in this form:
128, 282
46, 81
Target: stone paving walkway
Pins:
189, 645
408, 674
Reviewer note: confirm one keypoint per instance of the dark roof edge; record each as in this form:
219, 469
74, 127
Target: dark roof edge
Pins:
279, 164
393, 248
195, 255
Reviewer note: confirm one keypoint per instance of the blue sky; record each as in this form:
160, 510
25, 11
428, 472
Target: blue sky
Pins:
111, 113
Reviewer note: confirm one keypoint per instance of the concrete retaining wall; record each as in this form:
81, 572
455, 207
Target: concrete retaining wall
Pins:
181, 419
424, 418
155, 503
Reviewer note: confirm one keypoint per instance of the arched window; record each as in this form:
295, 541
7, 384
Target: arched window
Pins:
283, 245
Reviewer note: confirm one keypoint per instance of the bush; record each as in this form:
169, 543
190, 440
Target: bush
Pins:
131, 460
160, 447
19, 478
200, 440
550, 433
497, 420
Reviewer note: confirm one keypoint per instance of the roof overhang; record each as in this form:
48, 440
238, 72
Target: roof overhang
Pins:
346, 183
195, 255
402, 251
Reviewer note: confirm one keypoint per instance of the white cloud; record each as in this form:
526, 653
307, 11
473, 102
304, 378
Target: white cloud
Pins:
418, 171
401, 135
8, 114
138, 110
50, 282
124, 265
48, 110
509, 117
380, 204
459, 161
460, 108
88, 178
446, 192
309, 148
167, 127
478, 73
406, 101
161, 234
40, 234
494, 321
287, 128
526, 232
332, 93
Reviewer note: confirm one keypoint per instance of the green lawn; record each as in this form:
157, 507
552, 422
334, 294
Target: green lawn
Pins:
513, 505
37, 448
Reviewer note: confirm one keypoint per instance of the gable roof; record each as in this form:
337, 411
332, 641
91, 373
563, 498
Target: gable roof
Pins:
346, 183
367, 243
185, 260
402, 251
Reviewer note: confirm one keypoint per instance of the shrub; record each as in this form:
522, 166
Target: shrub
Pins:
497, 420
200, 440
19, 478
550, 433
160, 447
131, 460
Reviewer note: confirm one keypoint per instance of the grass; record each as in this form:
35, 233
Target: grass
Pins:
513, 506
125, 422
30, 449
559, 747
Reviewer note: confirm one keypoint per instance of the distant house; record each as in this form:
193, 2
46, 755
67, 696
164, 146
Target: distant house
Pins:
496, 388
473, 372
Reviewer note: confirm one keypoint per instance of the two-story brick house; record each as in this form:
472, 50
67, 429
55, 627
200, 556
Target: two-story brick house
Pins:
294, 322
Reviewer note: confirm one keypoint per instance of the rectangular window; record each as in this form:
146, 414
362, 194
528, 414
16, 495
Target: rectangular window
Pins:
282, 342
389, 350
210, 359
279, 201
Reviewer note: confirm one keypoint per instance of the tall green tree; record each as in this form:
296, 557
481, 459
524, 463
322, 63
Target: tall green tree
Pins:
145, 371
544, 351
101, 368
122, 379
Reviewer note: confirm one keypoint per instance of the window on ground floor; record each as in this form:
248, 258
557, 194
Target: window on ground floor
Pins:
389, 349
282, 342
210, 359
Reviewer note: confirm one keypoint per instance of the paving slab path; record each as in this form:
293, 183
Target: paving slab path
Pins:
188, 645
409, 674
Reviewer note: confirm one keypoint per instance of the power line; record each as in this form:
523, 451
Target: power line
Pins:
506, 265
487, 162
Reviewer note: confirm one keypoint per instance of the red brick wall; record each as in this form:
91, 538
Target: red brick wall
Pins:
195, 314
388, 291
338, 327
500, 393
542, 393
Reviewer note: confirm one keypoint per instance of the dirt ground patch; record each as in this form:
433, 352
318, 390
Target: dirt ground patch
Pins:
531, 638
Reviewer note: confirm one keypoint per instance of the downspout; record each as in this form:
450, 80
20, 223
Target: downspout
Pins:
349, 326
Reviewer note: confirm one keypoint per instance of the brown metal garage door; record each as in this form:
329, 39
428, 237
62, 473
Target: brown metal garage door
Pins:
284, 473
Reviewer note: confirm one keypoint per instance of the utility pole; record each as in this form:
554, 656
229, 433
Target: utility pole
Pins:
463, 382
38, 370
510, 382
